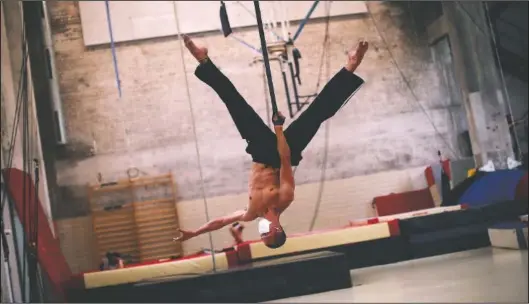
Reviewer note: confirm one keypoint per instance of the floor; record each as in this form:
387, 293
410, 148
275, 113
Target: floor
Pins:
482, 275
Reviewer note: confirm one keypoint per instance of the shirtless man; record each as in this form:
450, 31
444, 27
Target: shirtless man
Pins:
271, 184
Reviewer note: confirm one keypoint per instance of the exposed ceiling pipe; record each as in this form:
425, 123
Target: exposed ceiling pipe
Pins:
60, 129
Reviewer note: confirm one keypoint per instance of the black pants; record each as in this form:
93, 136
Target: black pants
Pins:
262, 142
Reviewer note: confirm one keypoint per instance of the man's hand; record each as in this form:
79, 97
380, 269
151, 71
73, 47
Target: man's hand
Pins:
355, 57
236, 232
184, 235
278, 119
215, 224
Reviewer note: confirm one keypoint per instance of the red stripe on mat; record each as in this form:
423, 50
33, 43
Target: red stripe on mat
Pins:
233, 258
244, 253
374, 220
394, 227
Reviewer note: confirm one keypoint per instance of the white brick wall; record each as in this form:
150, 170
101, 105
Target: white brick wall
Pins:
77, 243
382, 128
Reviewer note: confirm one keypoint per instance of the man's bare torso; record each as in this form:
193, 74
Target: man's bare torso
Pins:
264, 190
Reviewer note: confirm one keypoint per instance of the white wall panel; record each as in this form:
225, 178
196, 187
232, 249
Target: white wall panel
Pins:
134, 20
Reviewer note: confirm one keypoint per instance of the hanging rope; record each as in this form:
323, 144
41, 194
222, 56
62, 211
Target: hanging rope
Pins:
304, 21
113, 47
408, 85
28, 219
246, 44
18, 109
30, 198
319, 77
267, 100
193, 124
35, 234
24, 219
502, 77
21, 94
266, 61
325, 53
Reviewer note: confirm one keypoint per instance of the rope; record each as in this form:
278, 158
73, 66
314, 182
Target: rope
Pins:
112, 47
246, 44
18, 109
408, 85
29, 263
266, 61
492, 37
37, 272
305, 20
326, 42
21, 97
24, 219
504, 84
267, 99
320, 71
193, 124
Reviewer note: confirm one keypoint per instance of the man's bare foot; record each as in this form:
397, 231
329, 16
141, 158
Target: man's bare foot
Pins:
200, 54
355, 57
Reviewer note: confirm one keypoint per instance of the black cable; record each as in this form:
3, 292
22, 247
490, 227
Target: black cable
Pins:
38, 274
5, 246
325, 47
22, 109
24, 217
267, 99
27, 196
5, 249
16, 118
265, 57
36, 205
490, 35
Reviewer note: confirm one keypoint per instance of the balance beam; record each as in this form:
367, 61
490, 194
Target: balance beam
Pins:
488, 214
321, 240
256, 282
407, 215
193, 266
455, 231
363, 246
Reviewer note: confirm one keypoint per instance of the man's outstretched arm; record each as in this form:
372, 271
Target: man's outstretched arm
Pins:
286, 176
215, 224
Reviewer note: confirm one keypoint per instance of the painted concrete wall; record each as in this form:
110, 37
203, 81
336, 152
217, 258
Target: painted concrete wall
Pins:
512, 35
382, 128
518, 97
480, 82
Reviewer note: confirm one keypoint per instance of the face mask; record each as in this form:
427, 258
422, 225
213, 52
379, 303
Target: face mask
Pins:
264, 226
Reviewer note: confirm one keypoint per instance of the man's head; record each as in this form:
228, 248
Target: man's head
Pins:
272, 233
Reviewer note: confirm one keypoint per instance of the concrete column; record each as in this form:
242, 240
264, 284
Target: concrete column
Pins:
480, 82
